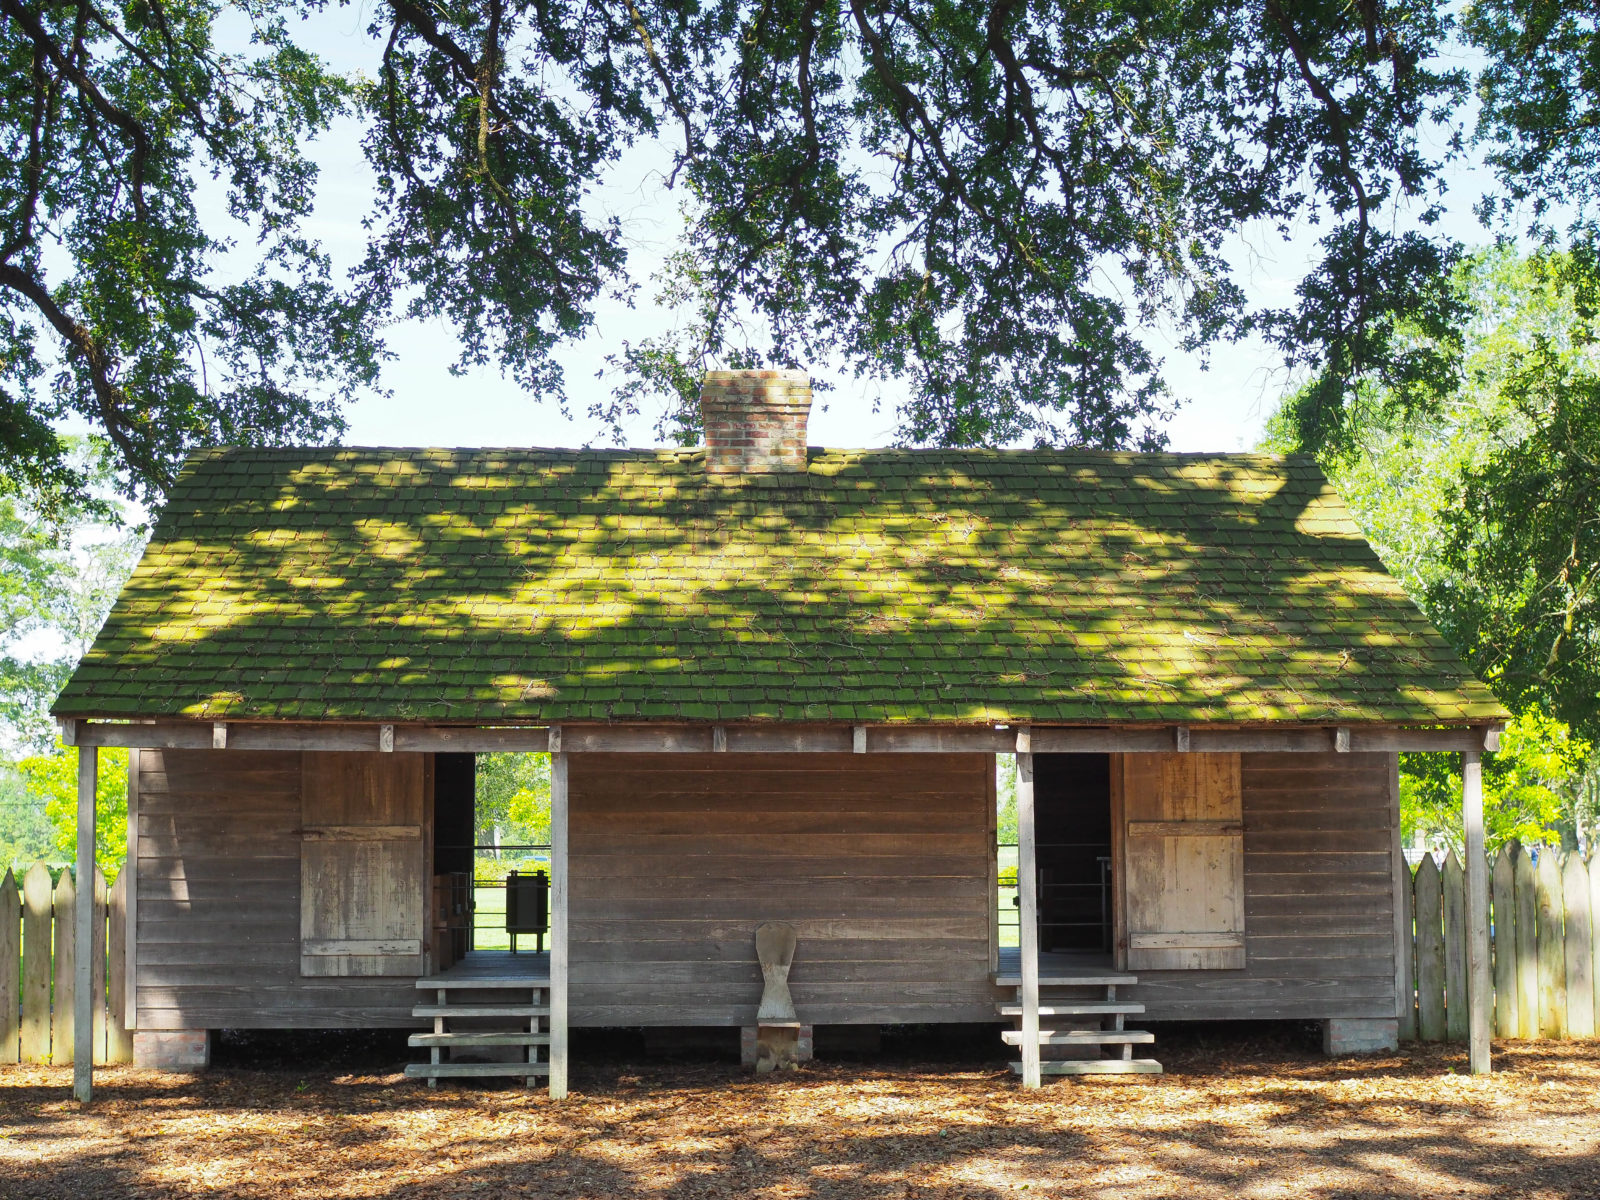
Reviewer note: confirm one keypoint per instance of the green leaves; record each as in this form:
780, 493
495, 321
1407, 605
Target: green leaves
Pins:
1486, 505
110, 311
1540, 94
989, 203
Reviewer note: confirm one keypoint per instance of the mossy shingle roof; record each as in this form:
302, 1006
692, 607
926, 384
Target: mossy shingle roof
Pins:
881, 585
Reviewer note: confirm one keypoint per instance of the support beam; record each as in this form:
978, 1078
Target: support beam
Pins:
83, 932
130, 893
1028, 894
1478, 993
770, 738
559, 895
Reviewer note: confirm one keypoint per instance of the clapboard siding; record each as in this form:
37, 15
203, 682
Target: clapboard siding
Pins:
881, 863
1319, 898
219, 901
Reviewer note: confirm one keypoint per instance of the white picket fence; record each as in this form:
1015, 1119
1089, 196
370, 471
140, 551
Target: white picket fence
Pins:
38, 957
1544, 943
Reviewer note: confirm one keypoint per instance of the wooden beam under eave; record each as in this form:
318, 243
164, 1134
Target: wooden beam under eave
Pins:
775, 738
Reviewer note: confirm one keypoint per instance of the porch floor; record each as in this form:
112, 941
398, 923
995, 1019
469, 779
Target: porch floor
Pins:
1059, 968
487, 968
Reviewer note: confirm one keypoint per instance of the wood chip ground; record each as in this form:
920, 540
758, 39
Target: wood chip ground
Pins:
1231, 1122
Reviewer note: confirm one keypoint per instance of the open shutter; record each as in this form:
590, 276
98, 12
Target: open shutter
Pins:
1183, 861
362, 864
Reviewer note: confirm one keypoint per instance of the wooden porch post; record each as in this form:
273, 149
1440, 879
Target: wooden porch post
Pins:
1028, 894
1478, 993
559, 893
83, 921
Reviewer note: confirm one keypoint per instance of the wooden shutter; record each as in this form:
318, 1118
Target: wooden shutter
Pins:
362, 864
1182, 861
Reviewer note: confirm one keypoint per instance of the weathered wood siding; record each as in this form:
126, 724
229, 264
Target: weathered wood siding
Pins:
880, 862
1319, 898
218, 912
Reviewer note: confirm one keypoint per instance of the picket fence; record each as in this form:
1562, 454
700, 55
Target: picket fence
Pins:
38, 957
1544, 943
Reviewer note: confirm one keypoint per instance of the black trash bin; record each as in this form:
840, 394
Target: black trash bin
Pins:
527, 906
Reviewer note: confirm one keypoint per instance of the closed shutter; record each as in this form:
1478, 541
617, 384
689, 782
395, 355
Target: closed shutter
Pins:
1183, 861
362, 864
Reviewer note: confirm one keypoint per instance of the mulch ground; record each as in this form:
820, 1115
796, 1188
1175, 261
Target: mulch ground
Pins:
1238, 1118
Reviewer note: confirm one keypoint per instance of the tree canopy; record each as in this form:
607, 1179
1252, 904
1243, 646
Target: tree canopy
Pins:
1488, 511
988, 202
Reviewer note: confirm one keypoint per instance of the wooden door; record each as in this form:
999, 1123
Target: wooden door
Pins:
1182, 877
363, 864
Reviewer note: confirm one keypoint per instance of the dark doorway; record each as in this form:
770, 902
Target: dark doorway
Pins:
1072, 821
455, 784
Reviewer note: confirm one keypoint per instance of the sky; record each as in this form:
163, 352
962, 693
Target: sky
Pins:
1222, 408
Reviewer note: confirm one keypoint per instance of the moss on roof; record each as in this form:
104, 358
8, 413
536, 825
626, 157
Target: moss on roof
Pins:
881, 585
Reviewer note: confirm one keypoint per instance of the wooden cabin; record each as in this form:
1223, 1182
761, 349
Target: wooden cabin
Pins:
773, 682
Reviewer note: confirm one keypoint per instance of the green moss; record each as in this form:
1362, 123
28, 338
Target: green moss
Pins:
883, 586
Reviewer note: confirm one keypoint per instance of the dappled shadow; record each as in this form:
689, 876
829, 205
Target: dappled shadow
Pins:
1278, 1124
957, 586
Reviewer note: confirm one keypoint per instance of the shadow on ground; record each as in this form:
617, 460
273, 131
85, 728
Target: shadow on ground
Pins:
1243, 1112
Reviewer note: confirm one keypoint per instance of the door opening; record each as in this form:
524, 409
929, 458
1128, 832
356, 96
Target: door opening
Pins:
1072, 815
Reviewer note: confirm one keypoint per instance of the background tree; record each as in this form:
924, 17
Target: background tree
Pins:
112, 307
63, 564
1488, 511
987, 202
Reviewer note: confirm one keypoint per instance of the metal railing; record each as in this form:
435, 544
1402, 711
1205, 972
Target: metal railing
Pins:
491, 864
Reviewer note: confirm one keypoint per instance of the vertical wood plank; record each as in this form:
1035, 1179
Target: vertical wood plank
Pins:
63, 1007
1456, 1008
130, 904
119, 1041
1430, 953
1479, 1000
1028, 893
1404, 939
10, 969
994, 863
1594, 930
559, 949
1552, 948
1408, 955
98, 967
1504, 891
36, 936
83, 931
1527, 883
1579, 948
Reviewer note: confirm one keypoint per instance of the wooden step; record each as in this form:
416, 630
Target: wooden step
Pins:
1082, 1037
484, 983
474, 1070
1012, 979
1070, 1008
1096, 1066
481, 1010
478, 1039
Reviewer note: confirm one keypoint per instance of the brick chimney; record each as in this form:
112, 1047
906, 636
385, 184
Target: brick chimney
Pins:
755, 421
